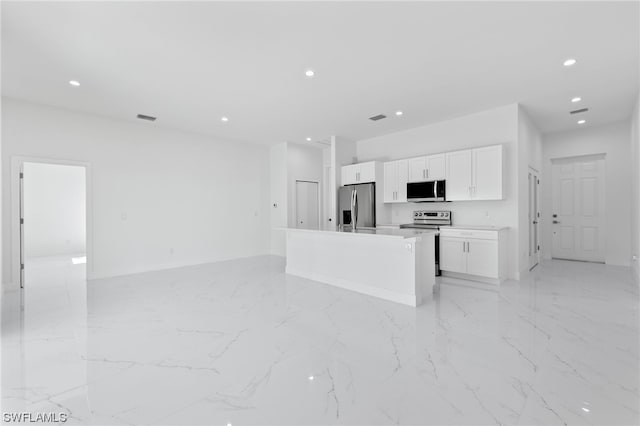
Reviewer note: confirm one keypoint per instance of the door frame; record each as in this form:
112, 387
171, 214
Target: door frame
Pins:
295, 199
17, 165
536, 175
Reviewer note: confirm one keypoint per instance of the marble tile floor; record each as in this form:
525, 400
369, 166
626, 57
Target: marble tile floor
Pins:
241, 343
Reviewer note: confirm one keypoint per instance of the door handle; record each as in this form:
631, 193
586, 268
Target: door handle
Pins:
535, 222
556, 221
427, 173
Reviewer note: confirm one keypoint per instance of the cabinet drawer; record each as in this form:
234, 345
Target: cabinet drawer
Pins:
469, 233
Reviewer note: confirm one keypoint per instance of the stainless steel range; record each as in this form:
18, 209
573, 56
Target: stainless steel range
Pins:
431, 219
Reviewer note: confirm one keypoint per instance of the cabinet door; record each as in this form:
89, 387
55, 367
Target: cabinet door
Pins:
403, 178
350, 174
436, 167
417, 169
367, 172
390, 181
458, 171
453, 257
482, 258
487, 173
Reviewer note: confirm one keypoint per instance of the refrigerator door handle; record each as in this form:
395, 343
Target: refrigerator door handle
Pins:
354, 209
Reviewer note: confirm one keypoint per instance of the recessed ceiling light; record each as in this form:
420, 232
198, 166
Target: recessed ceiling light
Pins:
398, 113
582, 121
576, 99
74, 83
311, 377
569, 62
308, 139
309, 73
225, 119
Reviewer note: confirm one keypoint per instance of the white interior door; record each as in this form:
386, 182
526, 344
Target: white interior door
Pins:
578, 209
534, 219
307, 205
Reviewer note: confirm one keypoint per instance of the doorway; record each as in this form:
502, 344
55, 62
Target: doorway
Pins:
534, 218
307, 204
50, 239
578, 211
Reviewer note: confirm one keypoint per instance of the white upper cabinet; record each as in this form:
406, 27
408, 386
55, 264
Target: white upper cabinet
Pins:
417, 169
359, 173
436, 167
349, 174
395, 181
474, 174
487, 173
458, 185
367, 172
431, 167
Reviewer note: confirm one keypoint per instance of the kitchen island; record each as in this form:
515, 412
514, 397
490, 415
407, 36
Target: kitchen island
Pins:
392, 264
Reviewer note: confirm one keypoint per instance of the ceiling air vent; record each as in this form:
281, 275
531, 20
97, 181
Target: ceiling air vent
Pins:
578, 111
377, 117
146, 117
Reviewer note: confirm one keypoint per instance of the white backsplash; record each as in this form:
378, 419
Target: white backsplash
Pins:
485, 213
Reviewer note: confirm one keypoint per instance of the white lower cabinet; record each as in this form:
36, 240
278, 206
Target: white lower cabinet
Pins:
482, 258
452, 254
474, 252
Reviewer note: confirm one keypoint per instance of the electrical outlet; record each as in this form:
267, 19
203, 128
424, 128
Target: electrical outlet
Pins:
123, 216
171, 251
635, 258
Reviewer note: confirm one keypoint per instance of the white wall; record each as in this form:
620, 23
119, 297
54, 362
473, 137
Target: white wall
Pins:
613, 141
529, 155
635, 187
495, 126
54, 210
161, 198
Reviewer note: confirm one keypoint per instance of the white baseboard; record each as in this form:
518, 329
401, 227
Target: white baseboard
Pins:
405, 299
164, 267
476, 278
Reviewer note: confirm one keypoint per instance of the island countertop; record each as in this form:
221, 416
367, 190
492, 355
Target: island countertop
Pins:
404, 233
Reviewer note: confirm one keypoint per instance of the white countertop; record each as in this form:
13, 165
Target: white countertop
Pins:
475, 227
377, 232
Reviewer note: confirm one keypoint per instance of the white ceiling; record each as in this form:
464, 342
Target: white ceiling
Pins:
190, 63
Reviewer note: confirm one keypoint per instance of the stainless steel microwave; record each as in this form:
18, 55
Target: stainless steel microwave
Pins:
433, 190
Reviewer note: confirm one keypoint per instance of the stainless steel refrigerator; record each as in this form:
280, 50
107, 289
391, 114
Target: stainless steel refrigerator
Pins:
357, 202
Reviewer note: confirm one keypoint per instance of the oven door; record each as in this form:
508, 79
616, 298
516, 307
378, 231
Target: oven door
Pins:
433, 191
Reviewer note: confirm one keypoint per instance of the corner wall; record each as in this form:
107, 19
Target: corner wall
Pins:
161, 198
529, 156
612, 140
